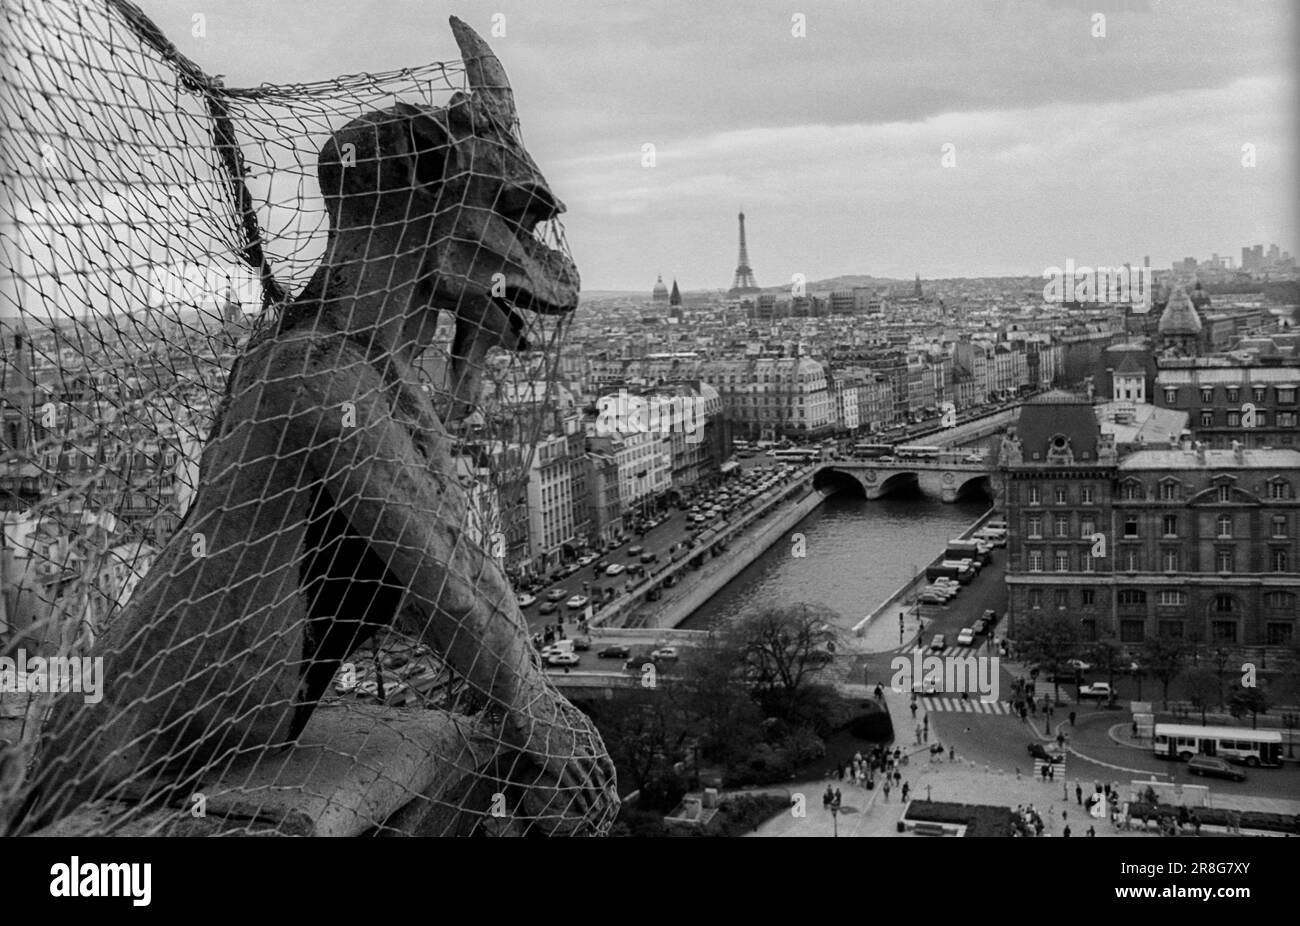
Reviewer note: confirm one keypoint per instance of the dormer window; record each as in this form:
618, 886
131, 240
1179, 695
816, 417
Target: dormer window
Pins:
1059, 450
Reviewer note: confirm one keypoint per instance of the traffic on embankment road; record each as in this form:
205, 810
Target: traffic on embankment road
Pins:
596, 581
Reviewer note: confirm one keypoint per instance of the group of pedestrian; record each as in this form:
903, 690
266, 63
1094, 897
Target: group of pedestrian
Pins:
880, 761
1031, 820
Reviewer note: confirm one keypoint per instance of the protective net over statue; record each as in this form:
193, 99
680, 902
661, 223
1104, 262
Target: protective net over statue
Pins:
274, 363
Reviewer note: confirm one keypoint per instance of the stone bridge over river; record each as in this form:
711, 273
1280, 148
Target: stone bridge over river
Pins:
949, 476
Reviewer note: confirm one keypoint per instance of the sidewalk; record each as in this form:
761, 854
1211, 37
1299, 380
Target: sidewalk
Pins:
867, 813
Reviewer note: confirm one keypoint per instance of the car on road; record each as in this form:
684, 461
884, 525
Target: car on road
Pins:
1078, 665
635, 550
557, 594
649, 557
991, 616
563, 659
664, 654
980, 625
1214, 767
615, 651
582, 643
938, 643
965, 637
637, 663
1098, 690
614, 569
932, 598
1046, 753
586, 559
549, 607
577, 601
525, 599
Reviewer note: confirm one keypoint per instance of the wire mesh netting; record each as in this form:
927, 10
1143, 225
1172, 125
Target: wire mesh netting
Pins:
274, 362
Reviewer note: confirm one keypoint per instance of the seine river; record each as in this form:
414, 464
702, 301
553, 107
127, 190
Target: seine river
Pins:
858, 553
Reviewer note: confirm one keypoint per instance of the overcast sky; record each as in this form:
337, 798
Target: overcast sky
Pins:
1066, 145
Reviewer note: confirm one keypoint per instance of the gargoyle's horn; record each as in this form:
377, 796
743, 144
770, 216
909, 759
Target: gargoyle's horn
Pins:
487, 78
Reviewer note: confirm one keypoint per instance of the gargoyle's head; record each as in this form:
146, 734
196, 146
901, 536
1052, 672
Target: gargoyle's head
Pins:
455, 186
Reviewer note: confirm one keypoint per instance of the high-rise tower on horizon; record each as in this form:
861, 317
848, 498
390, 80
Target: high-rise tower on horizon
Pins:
743, 284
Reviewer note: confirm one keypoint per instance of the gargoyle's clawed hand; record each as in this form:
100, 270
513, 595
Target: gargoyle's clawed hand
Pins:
564, 770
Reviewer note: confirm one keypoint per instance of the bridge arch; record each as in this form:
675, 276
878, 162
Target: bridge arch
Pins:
837, 480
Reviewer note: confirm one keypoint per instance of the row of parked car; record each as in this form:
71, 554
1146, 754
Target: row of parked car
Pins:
725, 498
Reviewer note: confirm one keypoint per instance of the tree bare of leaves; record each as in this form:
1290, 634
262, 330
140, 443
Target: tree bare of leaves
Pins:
1164, 659
1050, 643
782, 648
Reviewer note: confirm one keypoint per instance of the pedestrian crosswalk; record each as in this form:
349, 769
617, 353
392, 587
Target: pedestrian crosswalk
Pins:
952, 652
972, 705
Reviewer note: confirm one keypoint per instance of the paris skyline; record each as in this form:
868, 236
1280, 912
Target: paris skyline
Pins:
1063, 141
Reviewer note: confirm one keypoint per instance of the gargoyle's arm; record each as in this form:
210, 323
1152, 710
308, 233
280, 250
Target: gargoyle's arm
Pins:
413, 512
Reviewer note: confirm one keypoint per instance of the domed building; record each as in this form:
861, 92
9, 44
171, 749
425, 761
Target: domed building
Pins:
1180, 325
659, 295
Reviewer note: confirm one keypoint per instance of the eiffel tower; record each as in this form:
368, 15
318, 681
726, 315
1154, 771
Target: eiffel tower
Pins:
744, 283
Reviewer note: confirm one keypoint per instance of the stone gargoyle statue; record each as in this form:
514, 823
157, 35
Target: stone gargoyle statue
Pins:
330, 504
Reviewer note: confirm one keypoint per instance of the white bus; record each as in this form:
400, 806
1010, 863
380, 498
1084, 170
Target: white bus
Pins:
796, 454
917, 452
1249, 747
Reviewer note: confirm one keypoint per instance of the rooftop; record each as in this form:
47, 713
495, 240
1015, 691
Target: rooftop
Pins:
1214, 459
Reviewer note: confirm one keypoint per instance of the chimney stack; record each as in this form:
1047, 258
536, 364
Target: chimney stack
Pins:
1238, 451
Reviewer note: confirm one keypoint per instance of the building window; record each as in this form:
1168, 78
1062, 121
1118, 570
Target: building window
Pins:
1169, 559
1089, 629
1224, 604
1171, 396
1087, 597
1090, 564
1278, 560
1279, 525
1062, 526
1059, 495
1234, 394
1132, 631
1224, 522
1132, 598
1234, 419
1223, 558
1035, 598
1225, 493
1224, 631
1131, 561
1062, 599
1035, 495
1085, 495
1130, 527
1279, 489
1261, 419
1207, 419
1286, 419
1035, 526
1172, 598
1168, 491
1207, 395
1061, 561
1258, 393
1169, 525
1132, 492
1278, 634
1035, 561
1172, 629
1087, 527
1280, 601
